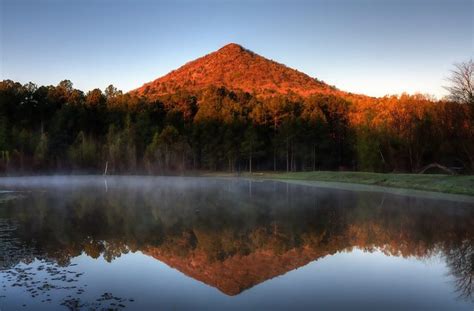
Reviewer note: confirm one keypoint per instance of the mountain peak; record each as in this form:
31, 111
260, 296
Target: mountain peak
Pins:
232, 47
236, 68
233, 50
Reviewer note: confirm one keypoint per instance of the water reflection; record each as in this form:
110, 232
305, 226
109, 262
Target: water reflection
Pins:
229, 234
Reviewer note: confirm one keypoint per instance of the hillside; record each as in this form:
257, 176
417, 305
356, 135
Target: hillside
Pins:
237, 273
237, 68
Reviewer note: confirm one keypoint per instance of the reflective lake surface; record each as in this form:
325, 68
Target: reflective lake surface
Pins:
152, 243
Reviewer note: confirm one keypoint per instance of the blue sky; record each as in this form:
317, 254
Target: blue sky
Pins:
371, 47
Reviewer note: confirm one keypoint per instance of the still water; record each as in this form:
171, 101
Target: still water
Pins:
170, 243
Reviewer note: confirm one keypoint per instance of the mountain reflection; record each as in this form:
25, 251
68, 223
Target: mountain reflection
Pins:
230, 234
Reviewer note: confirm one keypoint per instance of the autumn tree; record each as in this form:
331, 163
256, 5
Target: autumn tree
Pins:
60, 127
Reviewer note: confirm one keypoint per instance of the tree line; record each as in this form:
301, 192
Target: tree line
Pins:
60, 128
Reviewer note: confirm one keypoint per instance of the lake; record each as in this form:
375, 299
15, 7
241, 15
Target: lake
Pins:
172, 243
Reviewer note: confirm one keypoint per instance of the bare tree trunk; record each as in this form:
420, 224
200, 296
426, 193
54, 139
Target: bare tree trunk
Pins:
381, 156
250, 163
183, 166
469, 156
292, 158
314, 157
274, 160
106, 167
274, 147
411, 159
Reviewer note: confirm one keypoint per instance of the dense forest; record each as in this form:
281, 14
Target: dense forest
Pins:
62, 129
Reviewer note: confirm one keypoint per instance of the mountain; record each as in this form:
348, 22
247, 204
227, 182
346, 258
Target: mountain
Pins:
236, 68
237, 273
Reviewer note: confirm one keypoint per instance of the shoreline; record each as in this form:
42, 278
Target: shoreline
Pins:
462, 185
374, 188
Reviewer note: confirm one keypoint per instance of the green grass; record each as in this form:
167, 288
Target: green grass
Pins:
459, 184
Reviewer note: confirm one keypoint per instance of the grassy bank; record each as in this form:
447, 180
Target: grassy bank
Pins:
439, 183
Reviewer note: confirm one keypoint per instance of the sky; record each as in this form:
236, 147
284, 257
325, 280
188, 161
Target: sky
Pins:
373, 47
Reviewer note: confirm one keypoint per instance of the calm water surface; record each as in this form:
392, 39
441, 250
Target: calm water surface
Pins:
167, 243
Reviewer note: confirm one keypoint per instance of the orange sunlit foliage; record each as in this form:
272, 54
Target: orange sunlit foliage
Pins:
230, 110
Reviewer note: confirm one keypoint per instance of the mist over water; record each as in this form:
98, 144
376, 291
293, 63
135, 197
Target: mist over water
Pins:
140, 243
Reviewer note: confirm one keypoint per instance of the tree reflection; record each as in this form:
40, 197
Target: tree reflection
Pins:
460, 260
215, 232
